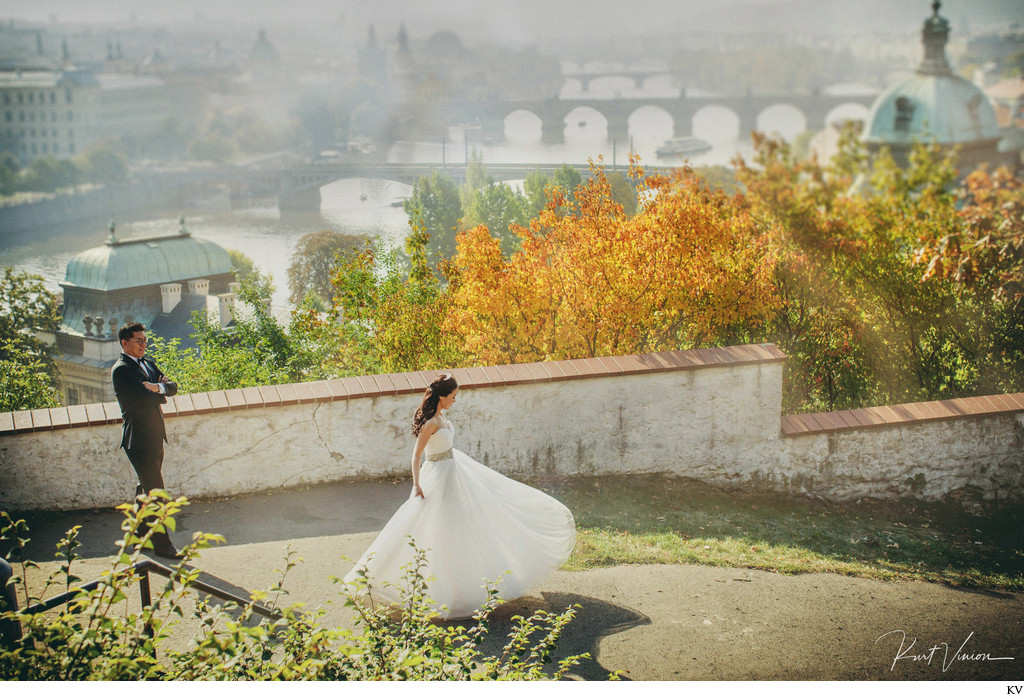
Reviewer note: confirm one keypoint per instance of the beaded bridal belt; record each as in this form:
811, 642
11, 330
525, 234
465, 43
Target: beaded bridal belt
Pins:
440, 457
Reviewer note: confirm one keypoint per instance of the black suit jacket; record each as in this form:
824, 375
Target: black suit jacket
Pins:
140, 407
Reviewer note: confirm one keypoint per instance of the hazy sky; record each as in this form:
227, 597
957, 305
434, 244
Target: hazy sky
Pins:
522, 21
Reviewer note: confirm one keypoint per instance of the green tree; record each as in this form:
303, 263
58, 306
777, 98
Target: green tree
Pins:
103, 164
435, 208
26, 305
10, 174
246, 273
25, 381
493, 204
313, 262
390, 312
535, 188
47, 174
255, 351
864, 317
567, 178
499, 207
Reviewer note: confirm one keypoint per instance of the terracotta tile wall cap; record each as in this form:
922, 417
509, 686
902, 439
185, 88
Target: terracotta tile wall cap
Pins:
58, 418
320, 390
218, 401
41, 419
201, 402
184, 405
252, 397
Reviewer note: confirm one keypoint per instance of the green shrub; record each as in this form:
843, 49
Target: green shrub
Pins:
89, 640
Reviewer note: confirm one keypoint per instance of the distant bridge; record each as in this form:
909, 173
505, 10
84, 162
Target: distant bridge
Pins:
297, 187
554, 114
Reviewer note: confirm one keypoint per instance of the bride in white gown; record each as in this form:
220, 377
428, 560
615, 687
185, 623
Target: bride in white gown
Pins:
475, 524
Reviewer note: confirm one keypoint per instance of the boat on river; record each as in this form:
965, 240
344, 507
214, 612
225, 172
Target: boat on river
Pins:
682, 146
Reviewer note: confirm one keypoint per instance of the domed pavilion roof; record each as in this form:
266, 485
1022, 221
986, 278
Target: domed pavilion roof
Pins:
933, 105
139, 262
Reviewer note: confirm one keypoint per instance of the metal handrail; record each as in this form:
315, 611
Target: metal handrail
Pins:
143, 568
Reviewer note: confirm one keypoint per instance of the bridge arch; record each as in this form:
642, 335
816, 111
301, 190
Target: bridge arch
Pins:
714, 123
523, 126
650, 126
782, 118
585, 125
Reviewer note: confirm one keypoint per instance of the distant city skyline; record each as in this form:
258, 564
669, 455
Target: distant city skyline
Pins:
522, 22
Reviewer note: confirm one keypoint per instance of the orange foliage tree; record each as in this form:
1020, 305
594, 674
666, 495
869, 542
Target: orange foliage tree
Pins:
590, 281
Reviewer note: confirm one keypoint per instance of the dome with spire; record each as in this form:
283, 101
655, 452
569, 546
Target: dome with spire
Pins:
934, 105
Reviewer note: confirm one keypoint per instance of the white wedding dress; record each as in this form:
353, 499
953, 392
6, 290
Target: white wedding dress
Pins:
476, 525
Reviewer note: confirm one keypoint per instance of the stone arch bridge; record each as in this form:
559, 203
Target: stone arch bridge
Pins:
554, 113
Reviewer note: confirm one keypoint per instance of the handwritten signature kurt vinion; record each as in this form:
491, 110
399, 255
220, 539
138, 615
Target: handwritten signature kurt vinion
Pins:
904, 653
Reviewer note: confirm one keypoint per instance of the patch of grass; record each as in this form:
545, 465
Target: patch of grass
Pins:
661, 519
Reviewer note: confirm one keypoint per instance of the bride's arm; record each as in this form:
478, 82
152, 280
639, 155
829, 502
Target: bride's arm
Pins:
426, 432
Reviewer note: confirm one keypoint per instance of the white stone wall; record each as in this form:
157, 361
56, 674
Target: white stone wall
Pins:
717, 424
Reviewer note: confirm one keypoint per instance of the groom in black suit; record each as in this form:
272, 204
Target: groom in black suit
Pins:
141, 389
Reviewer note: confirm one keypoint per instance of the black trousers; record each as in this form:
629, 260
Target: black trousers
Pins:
148, 460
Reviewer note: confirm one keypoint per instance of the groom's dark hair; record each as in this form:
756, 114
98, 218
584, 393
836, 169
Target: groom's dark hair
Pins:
128, 331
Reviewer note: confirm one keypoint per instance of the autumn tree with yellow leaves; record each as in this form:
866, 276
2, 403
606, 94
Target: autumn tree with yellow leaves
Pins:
590, 281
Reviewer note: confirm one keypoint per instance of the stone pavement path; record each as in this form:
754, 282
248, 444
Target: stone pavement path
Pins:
648, 622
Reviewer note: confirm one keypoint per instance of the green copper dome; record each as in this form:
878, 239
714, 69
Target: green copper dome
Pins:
933, 105
137, 262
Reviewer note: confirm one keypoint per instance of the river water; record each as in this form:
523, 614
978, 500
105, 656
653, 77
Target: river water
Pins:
360, 208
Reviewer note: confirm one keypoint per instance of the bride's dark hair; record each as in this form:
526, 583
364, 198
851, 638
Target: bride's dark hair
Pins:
440, 387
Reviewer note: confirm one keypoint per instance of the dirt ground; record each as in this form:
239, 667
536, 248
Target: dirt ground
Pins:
647, 622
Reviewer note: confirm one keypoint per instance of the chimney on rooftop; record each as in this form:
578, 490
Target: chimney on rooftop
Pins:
199, 287
227, 305
170, 296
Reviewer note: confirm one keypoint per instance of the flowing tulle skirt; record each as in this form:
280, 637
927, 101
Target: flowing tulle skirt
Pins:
476, 526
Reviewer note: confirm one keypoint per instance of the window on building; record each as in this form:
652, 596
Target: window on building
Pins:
71, 148
34, 150
31, 98
904, 113
70, 116
67, 95
8, 117
53, 98
46, 148
21, 116
21, 98
7, 98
